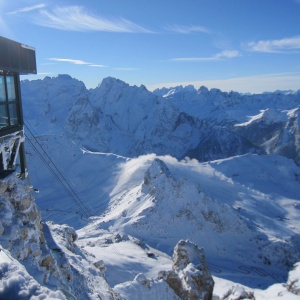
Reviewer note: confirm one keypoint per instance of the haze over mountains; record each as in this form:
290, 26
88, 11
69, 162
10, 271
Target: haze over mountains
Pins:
134, 172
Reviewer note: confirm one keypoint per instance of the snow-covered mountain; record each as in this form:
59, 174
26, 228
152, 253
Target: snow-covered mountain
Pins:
126, 120
131, 121
137, 174
270, 121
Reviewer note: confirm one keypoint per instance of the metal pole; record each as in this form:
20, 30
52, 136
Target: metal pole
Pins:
23, 165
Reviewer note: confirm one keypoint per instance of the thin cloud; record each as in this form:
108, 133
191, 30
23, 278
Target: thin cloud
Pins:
75, 18
71, 61
286, 45
97, 66
218, 56
187, 29
27, 9
75, 62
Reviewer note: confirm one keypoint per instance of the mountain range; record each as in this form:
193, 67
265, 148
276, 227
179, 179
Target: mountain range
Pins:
124, 174
128, 120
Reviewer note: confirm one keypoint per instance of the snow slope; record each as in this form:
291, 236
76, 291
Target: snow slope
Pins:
16, 283
226, 206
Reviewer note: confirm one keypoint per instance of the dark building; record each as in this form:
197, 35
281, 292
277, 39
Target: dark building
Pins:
15, 59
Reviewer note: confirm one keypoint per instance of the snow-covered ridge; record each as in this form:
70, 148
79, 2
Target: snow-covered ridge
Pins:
267, 116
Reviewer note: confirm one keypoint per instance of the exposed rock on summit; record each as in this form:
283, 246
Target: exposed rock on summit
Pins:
190, 277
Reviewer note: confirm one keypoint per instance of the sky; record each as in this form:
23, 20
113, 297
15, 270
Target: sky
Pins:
240, 45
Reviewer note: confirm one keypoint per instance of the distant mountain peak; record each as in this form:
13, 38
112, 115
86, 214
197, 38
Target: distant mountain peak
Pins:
203, 90
112, 81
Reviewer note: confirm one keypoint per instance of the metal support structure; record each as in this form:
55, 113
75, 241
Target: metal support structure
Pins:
23, 164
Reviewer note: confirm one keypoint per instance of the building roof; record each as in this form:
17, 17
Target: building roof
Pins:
17, 57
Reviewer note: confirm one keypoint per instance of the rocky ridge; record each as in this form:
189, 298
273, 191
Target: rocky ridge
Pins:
47, 256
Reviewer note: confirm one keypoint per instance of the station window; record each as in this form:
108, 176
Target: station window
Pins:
9, 115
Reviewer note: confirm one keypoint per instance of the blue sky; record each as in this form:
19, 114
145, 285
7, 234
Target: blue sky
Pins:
241, 45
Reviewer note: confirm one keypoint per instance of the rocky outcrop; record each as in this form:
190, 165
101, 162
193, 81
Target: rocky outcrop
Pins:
21, 226
21, 231
45, 250
190, 277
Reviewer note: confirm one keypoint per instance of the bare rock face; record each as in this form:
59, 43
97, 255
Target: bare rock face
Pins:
20, 220
174, 281
21, 228
190, 277
50, 253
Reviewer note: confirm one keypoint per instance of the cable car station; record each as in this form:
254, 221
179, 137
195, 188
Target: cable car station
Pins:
15, 59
